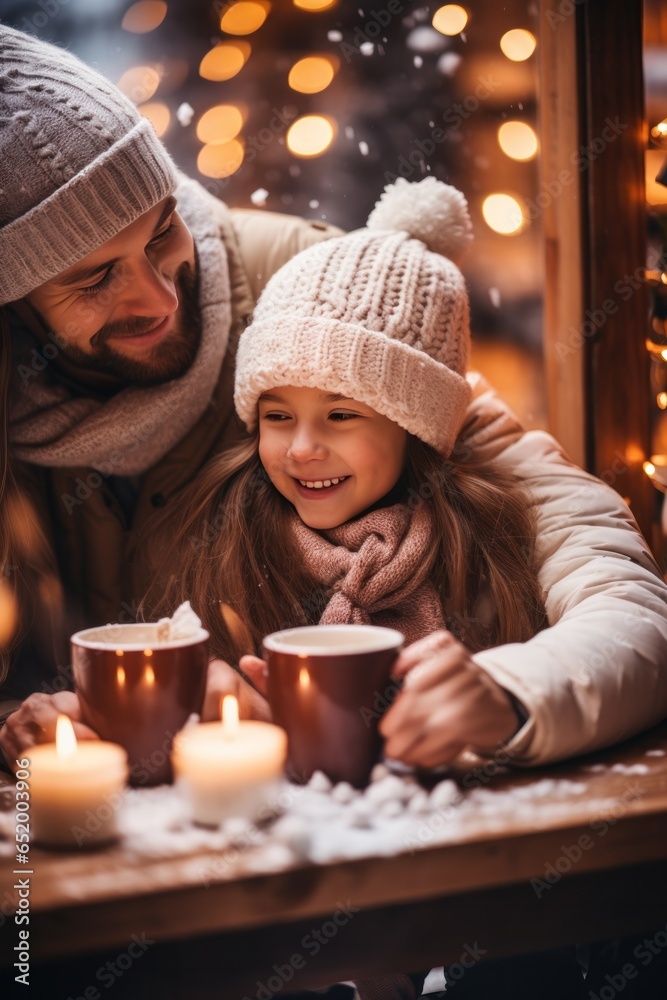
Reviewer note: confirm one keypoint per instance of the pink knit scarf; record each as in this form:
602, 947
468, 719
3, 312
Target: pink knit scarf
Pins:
377, 569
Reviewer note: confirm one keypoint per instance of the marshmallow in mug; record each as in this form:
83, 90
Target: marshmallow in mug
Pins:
183, 623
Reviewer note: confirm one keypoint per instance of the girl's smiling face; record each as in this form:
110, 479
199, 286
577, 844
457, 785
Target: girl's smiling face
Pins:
310, 437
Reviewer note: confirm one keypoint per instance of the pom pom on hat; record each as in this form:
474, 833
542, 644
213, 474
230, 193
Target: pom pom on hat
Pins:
380, 315
430, 211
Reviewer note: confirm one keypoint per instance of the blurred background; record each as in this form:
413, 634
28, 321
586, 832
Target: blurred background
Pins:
311, 106
655, 78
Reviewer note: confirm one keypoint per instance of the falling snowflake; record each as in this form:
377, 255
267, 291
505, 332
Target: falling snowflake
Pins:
314, 203
349, 132
363, 148
185, 114
335, 36
367, 48
448, 63
259, 197
494, 295
418, 61
426, 40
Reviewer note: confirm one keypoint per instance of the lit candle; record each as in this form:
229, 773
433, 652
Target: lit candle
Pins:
230, 768
75, 788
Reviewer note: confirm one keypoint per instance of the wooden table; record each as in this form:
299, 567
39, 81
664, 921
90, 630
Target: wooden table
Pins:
406, 912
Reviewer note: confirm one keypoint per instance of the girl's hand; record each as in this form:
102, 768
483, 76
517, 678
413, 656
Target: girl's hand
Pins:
447, 703
223, 679
255, 670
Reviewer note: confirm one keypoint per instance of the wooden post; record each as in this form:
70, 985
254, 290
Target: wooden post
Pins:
593, 129
560, 199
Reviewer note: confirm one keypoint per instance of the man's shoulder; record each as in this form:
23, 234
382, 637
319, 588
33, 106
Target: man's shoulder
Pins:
267, 240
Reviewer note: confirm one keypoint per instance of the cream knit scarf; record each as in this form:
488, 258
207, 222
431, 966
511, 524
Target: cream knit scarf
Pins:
376, 568
133, 430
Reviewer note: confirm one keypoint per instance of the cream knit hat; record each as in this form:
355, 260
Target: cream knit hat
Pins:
78, 163
380, 315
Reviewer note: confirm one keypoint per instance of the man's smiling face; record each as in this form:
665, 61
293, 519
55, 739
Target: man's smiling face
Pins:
129, 309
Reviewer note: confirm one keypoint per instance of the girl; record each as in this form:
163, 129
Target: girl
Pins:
533, 611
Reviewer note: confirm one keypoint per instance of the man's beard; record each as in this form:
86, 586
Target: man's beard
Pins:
169, 359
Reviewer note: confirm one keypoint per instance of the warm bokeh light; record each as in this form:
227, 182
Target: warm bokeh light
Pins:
235, 624
149, 675
659, 131
517, 140
314, 5
656, 468
450, 19
220, 124
220, 159
65, 738
634, 454
244, 17
502, 213
656, 193
662, 400
224, 61
158, 113
8, 613
230, 716
120, 676
304, 678
656, 347
144, 16
518, 44
310, 135
140, 83
312, 74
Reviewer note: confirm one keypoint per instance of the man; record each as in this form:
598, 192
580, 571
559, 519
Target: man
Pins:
123, 289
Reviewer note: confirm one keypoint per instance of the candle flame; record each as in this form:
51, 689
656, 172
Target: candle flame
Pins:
65, 737
304, 678
120, 676
150, 675
230, 716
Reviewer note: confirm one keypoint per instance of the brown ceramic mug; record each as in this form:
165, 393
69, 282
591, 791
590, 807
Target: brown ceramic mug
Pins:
328, 686
137, 691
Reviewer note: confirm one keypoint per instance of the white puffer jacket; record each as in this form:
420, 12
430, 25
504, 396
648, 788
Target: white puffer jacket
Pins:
598, 674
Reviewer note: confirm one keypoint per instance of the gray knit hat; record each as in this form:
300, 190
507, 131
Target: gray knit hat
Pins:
78, 162
380, 315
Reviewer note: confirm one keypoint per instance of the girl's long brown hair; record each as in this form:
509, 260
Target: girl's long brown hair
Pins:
234, 551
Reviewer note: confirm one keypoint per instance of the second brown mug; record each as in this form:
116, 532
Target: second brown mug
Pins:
328, 686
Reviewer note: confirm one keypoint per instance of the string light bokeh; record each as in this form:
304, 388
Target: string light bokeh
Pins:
655, 44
